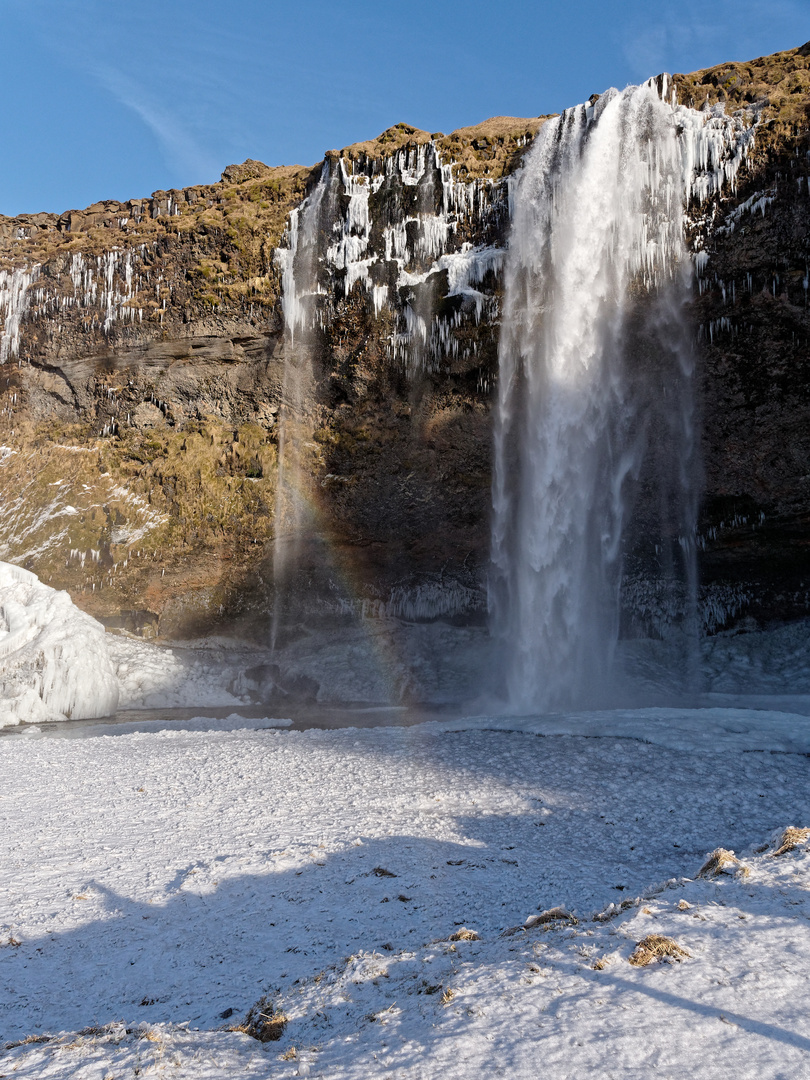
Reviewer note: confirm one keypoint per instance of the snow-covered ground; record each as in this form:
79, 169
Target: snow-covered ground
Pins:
155, 885
162, 878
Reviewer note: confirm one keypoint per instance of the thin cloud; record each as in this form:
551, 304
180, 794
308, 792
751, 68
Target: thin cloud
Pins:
183, 152
168, 87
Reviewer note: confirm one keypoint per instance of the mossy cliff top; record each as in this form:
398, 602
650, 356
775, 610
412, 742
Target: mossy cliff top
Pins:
489, 150
249, 206
229, 228
253, 199
777, 87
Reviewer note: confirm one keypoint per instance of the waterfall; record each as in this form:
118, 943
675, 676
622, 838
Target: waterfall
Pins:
595, 441
298, 264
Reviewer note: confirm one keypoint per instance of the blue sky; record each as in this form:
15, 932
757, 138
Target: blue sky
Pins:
103, 99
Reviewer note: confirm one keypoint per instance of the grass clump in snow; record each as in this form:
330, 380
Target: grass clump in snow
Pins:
656, 947
556, 915
464, 935
791, 838
263, 1022
550, 919
612, 910
721, 861
28, 1040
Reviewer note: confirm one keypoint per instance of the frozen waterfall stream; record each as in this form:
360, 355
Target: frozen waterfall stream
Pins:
595, 415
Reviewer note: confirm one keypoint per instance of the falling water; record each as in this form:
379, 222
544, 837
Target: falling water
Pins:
595, 451
298, 263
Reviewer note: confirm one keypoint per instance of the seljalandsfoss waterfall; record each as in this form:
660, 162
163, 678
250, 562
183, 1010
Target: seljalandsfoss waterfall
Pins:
595, 436
404, 581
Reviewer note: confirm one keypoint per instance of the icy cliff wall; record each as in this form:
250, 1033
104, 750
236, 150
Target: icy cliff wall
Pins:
152, 347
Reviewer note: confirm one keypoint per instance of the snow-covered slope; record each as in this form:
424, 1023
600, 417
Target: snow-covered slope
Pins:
54, 662
167, 881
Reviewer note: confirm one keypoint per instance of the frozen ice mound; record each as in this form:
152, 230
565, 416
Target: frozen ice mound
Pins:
158, 676
54, 663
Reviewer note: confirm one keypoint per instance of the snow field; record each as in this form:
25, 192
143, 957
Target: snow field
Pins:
162, 879
709, 730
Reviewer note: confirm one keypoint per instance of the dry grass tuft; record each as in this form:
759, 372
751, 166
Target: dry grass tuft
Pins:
612, 910
656, 947
721, 861
28, 1040
263, 1022
447, 996
791, 838
464, 935
289, 1055
552, 915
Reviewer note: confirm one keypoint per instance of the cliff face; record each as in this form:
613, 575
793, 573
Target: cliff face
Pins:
753, 332
145, 371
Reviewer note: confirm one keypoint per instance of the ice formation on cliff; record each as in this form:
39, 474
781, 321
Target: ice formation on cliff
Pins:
54, 663
14, 300
395, 225
112, 287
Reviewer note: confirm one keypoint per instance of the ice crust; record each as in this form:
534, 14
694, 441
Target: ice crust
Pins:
54, 662
708, 731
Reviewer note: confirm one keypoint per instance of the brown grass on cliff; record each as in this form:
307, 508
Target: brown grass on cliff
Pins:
490, 150
781, 81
